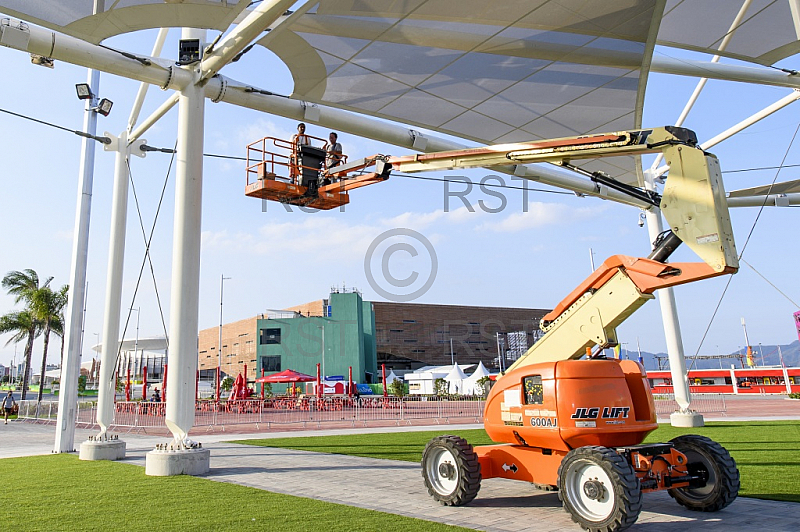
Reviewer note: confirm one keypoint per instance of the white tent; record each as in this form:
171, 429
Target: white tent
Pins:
391, 377
471, 386
456, 379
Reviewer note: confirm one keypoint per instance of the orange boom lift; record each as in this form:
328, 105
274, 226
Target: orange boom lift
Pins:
563, 415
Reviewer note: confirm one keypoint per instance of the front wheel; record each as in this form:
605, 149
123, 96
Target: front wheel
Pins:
451, 470
599, 489
712, 462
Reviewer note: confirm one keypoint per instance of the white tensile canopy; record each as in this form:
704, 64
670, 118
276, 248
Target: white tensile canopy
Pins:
491, 73
455, 379
471, 386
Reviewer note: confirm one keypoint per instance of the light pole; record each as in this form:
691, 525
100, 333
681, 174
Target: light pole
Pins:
222, 280
322, 328
136, 342
452, 360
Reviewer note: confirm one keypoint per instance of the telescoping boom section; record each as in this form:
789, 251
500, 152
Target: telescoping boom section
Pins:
693, 203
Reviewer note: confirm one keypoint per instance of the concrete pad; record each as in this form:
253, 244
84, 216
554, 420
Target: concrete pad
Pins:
102, 450
194, 462
686, 419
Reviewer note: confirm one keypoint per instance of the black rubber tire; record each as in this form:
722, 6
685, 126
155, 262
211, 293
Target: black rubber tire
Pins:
623, 501
465, 480
723, 482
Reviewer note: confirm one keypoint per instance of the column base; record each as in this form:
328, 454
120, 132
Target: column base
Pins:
184, 462
102, 450
686, 419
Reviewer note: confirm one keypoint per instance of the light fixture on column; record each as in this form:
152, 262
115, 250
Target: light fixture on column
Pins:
83, 90
104, 107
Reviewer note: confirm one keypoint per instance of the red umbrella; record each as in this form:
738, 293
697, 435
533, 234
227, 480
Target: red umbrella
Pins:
288, 375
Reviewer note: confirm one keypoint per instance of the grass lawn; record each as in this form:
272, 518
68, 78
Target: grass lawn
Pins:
60, 492
767, 452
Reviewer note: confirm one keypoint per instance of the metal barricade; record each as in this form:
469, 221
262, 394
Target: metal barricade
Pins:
86, 413
275, 411
702, 403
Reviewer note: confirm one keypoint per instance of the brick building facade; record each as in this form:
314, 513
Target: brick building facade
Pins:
406, 336
410, 335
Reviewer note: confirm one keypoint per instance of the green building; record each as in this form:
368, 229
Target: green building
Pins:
346, 330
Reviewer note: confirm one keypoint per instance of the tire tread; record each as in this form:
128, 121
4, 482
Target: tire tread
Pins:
625, 482
469, 470
727, 476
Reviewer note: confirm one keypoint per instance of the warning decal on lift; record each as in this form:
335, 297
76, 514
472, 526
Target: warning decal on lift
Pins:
513, 468
511, 418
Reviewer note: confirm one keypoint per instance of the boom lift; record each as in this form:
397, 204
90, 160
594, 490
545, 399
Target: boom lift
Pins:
574, 423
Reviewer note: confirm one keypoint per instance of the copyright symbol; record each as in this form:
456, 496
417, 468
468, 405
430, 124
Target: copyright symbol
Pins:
409, 250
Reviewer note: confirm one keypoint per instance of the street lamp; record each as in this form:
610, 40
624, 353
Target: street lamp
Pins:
136, 342
222, 279
322, 328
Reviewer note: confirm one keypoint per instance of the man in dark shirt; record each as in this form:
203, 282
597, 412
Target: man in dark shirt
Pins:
8, 404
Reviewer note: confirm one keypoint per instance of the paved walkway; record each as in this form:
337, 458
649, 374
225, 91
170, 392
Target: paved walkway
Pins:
397, 487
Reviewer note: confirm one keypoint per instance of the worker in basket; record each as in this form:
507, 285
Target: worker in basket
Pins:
298, 139
333, 156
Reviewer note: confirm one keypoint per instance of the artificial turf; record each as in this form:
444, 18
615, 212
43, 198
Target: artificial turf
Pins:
59, 492
766, 452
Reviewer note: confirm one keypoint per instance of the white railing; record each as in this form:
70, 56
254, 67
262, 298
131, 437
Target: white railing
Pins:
305, 410
702, 403
276, 411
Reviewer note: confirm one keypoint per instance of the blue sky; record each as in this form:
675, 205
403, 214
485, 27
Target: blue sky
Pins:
518, 257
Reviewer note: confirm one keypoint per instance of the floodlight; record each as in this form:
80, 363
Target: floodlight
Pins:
104, 107
84, 91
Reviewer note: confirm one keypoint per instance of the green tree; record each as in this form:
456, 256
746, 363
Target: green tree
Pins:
59, 325
397, 388
48, 309
486, 384
23, 327
226, 383
440, 386
24, 285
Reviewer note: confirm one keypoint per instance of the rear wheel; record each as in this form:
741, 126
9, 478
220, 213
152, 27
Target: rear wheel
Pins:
711, 461
599, 489
451, 470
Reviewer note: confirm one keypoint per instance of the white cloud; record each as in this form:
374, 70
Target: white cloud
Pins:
541, 214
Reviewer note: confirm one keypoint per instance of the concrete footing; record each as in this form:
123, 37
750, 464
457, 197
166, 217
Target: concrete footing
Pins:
102, 450
686, 419
169, 463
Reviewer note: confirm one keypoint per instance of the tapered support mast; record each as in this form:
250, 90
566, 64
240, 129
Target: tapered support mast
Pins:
184, 297
116, 257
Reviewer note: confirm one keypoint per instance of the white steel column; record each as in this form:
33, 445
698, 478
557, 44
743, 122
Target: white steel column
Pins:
106, 387
672, 331
184, 297
70, 369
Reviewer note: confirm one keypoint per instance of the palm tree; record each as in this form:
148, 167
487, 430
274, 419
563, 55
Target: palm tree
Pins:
23, 326
59, 325
23, 285
48, 307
